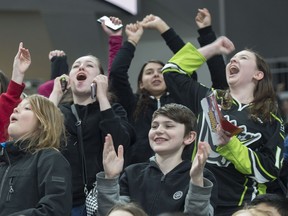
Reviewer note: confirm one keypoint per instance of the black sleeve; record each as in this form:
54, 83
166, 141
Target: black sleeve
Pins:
119, 80
215, 64
175, 43
59, 66
114, 121
173, 40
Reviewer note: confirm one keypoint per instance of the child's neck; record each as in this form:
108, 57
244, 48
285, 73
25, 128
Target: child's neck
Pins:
166, 164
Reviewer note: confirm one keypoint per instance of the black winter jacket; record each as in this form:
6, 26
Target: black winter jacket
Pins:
34, 184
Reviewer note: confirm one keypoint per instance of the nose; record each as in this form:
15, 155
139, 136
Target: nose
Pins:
159, 130
157, 73
81, 67
15, 110
233, 59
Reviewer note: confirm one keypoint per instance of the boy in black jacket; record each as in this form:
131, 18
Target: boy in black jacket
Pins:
166, 183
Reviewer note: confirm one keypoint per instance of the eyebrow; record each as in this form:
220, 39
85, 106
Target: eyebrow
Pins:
246, 55
88, 61
168, 121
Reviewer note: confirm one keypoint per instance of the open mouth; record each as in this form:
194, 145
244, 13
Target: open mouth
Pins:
233, 70
13, 119
81, 76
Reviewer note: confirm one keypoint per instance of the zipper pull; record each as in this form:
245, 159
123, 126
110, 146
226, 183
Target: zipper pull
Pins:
11, 190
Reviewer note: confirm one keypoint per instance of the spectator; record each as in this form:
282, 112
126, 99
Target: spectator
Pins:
151, 88
11, 96
31, 165
166, 183
97, 118
242, 163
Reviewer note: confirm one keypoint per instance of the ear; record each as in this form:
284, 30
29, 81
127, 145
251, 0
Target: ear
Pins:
258, 75
189, 138
141, 85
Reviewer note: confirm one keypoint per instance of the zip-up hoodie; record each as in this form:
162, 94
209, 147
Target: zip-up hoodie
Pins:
34, 183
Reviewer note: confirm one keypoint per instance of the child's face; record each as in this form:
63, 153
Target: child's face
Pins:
22, 121
166, 136
152, 79
83, 71
241, 69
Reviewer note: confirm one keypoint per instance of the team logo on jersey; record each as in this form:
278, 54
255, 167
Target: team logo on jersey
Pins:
245, 137
177, 195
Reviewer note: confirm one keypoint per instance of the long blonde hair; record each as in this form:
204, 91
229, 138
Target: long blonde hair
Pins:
50, 129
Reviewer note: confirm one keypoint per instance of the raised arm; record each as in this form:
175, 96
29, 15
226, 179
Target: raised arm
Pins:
59, 63
215, 64
119, 79
10, 99
59, 66
107, 181
198, 198
115, 40
172, 39
183, 63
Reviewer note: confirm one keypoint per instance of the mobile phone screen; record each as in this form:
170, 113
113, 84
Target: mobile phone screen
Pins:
109, 24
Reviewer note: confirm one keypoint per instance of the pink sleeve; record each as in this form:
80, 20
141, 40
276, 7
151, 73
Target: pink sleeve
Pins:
115, 43
8, 101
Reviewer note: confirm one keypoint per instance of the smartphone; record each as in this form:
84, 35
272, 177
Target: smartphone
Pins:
64, 83
93, 90
109, 23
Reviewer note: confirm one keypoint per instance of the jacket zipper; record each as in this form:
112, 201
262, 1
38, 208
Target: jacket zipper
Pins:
157, 196
158, 103
11, 190
3, 179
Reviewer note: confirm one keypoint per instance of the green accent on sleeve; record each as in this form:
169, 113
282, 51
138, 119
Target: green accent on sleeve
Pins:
262, 168
238, 154
262, 188
243, 193
186, 60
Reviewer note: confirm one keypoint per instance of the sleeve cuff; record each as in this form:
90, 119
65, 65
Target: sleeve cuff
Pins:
186, 61
14, 89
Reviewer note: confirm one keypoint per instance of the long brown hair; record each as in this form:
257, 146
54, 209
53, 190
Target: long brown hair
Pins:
265, 101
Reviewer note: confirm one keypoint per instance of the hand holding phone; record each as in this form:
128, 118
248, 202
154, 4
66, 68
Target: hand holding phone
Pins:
109, 23
93, 90
64, 83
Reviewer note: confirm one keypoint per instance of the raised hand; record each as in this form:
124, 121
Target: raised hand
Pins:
102, 86
198, 164
57, 92
56, 53
203, 18
134, 32
112, 162
21, 63
154, 22
110, 32
222, 46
